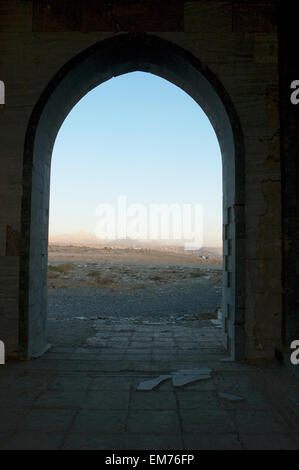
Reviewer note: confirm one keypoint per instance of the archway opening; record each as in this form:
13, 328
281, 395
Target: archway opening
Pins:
113, 57
135, 232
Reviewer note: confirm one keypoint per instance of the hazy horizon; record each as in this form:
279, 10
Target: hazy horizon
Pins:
84, 237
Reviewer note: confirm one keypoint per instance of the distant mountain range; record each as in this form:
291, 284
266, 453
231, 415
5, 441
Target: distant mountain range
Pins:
78, 237
90, 239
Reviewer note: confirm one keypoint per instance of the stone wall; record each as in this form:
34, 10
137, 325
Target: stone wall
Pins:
237, 41
290, 174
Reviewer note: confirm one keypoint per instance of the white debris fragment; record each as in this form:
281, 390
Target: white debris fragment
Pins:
217, 323
185, 376
179, 380
230, 397
152, 383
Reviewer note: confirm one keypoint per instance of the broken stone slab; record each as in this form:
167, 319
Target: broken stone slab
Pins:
217, 323
179, 380
152, 383
185, 376
230, 397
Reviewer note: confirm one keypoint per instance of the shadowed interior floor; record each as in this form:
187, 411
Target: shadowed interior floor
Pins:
85, 396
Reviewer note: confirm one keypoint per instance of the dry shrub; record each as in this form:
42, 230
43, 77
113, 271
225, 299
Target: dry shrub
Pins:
195, 274
99, 279
59, 269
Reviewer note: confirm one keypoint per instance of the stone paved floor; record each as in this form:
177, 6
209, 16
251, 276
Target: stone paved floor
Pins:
85, 397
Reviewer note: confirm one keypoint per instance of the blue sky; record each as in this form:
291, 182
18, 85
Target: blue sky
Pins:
141, 136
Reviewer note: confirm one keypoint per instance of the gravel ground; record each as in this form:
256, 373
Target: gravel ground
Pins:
186, 297
82, 292
73, 311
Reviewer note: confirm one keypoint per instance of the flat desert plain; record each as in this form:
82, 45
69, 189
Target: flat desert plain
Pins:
127, 286
127, 268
